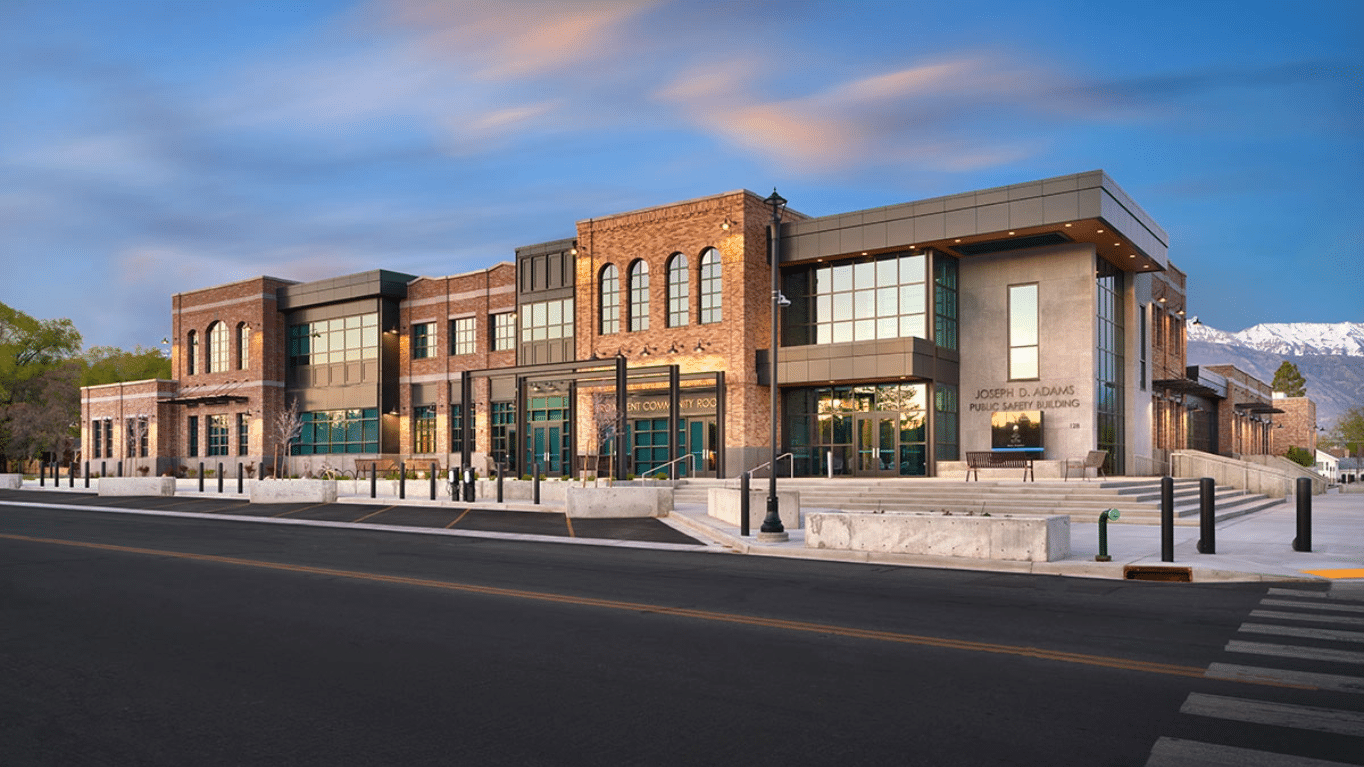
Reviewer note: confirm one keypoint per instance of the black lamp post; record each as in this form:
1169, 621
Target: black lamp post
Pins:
772, 529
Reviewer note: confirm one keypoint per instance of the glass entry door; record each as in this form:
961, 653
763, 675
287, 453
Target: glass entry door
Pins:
877, 443
700, 438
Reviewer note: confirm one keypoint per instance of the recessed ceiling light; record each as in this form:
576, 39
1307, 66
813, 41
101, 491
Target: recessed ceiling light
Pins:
1134, 255
864, 252
1067, 226
1116, 244
957, 240
1101, 231
1010, 232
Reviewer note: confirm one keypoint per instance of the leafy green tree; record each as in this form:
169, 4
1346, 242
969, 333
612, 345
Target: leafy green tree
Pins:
1289, 380
1349, 431
109, 364
39, 402
1301, 456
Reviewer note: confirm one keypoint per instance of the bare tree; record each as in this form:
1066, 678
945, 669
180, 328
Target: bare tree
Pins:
606, 417
288, 425
139, 428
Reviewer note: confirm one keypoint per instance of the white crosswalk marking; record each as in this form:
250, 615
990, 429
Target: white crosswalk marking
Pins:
1331, 595
1340, 608
1294, 651
1332, 682
1295, 631
1276, 714
1175, 752
1344, 620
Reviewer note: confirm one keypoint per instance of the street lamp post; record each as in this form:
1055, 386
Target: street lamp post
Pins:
772, 529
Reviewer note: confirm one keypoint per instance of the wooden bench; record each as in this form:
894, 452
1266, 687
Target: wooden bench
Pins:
1094, 460
382, 466
989, 459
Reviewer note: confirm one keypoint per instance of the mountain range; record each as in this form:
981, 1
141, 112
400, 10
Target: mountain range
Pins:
1329, 355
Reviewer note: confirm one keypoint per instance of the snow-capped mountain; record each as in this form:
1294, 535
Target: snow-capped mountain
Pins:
1330, 357
1293, 338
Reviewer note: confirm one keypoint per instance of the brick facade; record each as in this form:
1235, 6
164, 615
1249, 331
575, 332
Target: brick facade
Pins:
1296, 426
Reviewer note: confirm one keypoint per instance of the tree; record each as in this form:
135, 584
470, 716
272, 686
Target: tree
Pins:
288, 425
1349, 431
109, 364
1288, 380
39, 403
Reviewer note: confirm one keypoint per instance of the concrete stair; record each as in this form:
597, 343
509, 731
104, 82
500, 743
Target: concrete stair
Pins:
1138, 498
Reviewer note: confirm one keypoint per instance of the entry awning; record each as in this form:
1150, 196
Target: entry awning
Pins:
209, 399
1187, 386
1257, 407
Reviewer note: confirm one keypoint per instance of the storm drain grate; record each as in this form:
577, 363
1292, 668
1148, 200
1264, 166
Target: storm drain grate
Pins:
1157, 573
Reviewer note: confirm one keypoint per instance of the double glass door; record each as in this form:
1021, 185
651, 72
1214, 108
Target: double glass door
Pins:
876, 444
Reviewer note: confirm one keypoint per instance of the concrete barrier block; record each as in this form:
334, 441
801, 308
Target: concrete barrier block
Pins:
1027, 538
11, 481
725, 504
294, 491
589, 502
164, 486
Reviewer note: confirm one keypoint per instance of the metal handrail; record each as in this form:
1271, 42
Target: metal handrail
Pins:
792, 456
673, 473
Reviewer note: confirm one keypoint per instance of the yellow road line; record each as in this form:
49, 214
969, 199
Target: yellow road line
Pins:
571, 534
1039, 653
372, 513
295, 511
1353, 572
457, 519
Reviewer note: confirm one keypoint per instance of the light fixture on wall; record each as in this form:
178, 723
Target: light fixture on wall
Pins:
727, 223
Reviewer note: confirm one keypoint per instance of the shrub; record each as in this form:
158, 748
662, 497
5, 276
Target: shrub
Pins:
1301, 456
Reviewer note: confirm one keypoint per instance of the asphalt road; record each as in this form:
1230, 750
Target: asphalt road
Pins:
154, 640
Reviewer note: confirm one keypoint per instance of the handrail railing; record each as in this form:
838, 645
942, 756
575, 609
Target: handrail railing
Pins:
673, 472
792, 456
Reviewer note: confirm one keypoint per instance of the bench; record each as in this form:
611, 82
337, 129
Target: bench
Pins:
382, 467
989, 459
1094, 460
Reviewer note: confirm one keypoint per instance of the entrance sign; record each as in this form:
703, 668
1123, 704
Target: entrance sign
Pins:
1016, 430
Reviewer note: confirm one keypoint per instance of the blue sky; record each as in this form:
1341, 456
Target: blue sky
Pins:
152, 147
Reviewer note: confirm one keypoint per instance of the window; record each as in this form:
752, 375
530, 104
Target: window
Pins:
857, 300
1023, 362
503, 433
424, 429
712, 300
945, 301
547, 320
243, 433
193, 436
423, 340
243, 346
1108, 372
344, 339
947, 406
504, 332
192, 353
108, 438
457, 428
639, 296
97, 439
610, 300
217, 435
679, 291
139, 428
462, 338
217, 348
337, 431
1141, 347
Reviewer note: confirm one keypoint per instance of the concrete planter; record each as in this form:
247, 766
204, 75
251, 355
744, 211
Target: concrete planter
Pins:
724, 504
589, 502
294, 491
11, 481
1022, 538
164, 486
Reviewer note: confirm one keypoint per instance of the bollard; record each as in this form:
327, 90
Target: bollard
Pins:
262, 470
1104, 516
1167, 519
240, 480
103, 469
500, 472
468, 483
120, 468
42, 474
402, 480
201, 476
374, 479
220, 477
535, 484
71, 474
743, 503
87, 474
1207, 540
433, 480
450, 478
1303, 542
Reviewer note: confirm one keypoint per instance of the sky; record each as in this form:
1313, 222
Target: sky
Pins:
152, 147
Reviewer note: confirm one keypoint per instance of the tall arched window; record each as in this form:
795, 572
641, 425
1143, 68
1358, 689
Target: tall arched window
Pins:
217, 348
243, 346
192, 352
711, 298
679, 291
610, 300
639, 296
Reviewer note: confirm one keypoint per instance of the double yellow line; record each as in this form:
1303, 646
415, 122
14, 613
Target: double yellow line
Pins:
1124, 664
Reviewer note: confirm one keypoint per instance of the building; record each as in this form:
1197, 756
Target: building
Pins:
1296, 426
1042, 317
1327, 465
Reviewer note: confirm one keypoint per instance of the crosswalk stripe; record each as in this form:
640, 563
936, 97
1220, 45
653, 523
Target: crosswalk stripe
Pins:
1297, 631
1313, 605
1295, 651
1177, 752
1346, 620
1332, 682
1276, 714
1334, 595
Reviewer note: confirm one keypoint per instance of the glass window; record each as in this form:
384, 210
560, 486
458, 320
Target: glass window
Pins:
193, 436
97, 439
639, 296
945, 300
503, 433
1023, 349
192, 353
424, 429
712, 300
679, 291
324, 342
457, 428
860, 300
462, 337
423, 339
504, 331
243, 433
1108, 390
217, 435
610, 300
337, 431
217, 348
547, 320
243, 346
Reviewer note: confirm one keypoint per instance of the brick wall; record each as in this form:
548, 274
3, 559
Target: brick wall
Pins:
1296, 426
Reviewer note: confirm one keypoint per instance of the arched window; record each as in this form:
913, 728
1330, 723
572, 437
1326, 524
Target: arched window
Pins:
711, 298
243, 346
217, 348
679, 291
639, 296
610, 300
192, 353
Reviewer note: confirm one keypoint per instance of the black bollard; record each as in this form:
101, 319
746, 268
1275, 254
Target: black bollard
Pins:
500, 472
71, 474
1304, 540
201, 476
240, 479
104, 468
374, 480
743, 503
433, 480
42, 474
402, 480
1207, 532
220, 477
120, 468
1167, 519
87, 474
535, 484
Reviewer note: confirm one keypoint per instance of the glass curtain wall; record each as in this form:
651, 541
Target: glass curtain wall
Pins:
1108, 365
868, 430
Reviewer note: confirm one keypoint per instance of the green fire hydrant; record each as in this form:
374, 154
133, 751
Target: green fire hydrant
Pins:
1104, 516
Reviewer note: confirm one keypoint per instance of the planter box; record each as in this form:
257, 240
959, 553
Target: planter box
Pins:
1023, 538
164, 486
587, 502
724, 504
11, 481
294, 491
